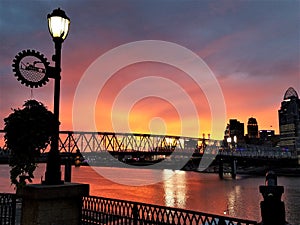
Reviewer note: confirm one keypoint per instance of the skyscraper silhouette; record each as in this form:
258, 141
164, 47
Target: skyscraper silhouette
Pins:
252, 128
289, 122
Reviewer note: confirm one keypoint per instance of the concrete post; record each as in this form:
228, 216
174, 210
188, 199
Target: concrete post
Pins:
272, 208
53, 204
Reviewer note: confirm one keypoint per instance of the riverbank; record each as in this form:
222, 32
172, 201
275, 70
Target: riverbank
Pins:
258, 170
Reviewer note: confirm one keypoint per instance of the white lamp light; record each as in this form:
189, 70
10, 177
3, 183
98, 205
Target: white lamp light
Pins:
58, 24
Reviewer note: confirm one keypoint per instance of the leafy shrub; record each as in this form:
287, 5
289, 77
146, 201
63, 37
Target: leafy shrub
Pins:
27, 131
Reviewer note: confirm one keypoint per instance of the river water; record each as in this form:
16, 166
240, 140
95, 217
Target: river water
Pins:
188, 190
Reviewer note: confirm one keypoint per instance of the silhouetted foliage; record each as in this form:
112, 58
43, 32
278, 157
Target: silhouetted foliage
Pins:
27, 131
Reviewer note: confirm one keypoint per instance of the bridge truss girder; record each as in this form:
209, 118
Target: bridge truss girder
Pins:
71, 141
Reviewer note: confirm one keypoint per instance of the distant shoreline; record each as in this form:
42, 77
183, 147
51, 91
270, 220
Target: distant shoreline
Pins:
257, 170
261, 171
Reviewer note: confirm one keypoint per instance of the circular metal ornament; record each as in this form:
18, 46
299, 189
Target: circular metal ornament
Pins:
30, 66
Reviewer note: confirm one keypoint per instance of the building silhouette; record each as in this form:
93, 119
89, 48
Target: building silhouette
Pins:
268, 138
252, 128
266, 134
234, 133
252, 136
289, 122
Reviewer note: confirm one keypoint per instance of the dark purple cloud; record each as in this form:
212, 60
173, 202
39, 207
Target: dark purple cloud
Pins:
250, 39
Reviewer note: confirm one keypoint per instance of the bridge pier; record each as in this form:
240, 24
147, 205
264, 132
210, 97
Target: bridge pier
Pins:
68, 168
221, 169
232, 167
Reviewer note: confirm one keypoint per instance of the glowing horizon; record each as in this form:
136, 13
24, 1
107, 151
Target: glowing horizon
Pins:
253, 62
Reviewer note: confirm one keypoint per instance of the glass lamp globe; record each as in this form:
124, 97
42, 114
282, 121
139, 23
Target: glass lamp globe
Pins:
58, 24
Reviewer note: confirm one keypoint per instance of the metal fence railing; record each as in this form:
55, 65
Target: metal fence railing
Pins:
7, 209
100, 210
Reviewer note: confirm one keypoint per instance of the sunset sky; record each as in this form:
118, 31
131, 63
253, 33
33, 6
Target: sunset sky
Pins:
251, 47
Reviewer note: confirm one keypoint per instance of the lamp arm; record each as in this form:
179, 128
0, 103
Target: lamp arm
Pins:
53, 72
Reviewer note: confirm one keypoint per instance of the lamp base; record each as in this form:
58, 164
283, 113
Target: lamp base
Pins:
52, 178
53, 204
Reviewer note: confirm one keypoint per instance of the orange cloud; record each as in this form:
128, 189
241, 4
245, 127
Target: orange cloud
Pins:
147, 109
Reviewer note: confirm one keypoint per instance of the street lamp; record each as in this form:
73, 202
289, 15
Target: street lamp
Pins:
58, 24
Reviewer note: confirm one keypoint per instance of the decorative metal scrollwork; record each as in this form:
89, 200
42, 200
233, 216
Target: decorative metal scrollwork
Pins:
30, 67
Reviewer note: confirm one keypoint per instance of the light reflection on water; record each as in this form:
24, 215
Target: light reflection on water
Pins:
233, 197
189, 190
175, 188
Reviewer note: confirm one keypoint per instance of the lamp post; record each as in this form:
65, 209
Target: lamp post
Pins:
38, 199
58, 24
